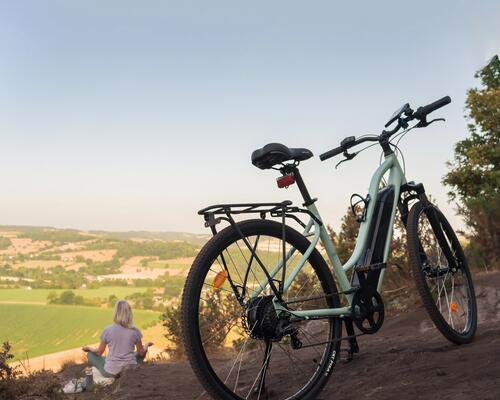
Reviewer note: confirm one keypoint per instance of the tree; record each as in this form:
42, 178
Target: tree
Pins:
67, 297
112, 300
52, 296
474, 173
345, 240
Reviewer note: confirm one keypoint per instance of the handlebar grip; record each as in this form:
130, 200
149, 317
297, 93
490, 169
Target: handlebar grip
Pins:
331, 153
423, 111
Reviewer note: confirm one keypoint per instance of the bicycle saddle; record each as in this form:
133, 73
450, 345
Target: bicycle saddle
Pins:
277, 153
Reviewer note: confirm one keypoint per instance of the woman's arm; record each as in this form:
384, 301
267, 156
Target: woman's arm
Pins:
142, 349
99, 350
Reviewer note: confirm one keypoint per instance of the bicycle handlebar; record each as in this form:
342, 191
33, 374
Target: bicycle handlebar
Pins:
420, 114
346, 144
331, 153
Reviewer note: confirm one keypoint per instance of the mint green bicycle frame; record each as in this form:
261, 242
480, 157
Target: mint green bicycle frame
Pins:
319, 233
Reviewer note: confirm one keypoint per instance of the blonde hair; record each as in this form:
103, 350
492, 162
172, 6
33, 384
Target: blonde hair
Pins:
123, 314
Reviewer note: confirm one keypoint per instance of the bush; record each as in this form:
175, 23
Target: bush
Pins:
215, 313
171, 320
42, 384
6, 372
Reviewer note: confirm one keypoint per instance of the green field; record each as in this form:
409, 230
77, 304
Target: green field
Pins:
36, 330
40, 295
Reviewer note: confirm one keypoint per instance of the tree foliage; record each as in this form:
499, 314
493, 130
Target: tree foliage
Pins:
219, 313
67, 297
56, 236
474, 173
345, 239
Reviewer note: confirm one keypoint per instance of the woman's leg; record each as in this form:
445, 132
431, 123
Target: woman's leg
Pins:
98, 362
138, 358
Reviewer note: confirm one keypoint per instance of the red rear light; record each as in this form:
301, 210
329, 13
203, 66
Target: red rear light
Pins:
285, 181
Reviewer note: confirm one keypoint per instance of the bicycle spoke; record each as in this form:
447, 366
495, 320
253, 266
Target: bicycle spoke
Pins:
448, 288
237, 354
262, 369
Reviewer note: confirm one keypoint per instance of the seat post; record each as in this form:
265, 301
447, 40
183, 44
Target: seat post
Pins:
302, 187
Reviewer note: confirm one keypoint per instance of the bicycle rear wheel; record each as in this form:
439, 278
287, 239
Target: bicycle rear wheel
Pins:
443, 282
233, 346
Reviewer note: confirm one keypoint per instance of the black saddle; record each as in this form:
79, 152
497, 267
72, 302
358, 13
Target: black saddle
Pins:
277, 153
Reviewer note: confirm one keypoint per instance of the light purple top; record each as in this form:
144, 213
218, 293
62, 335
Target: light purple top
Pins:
121, 343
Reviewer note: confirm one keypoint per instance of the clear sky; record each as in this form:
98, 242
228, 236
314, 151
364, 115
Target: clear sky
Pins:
125, 115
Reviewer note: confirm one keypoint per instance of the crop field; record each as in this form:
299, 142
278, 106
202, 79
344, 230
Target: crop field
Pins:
35, 330
147, 268
40, 295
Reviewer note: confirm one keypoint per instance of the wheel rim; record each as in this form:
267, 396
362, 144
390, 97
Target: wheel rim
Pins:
240, 356
450, 289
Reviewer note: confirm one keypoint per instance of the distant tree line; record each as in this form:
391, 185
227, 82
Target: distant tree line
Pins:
162, 250
140, 300
56, 236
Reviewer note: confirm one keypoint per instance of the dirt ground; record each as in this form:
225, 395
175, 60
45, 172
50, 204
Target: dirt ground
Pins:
407, 359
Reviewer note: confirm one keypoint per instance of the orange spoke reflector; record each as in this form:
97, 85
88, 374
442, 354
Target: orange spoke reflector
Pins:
219, 279
454, 307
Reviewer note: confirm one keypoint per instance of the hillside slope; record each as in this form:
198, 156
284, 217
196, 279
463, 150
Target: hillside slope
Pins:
407, 359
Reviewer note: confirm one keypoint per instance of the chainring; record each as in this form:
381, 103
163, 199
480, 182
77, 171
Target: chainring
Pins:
368, 310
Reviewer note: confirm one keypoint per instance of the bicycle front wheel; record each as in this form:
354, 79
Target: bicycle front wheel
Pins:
238, 346
441, 273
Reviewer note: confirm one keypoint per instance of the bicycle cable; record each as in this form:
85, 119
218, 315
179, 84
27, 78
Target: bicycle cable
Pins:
396, 145
366, 147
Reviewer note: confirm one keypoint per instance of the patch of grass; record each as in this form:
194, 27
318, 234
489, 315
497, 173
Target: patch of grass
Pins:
38, 329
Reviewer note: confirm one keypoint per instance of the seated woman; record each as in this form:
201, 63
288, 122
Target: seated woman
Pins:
121, 338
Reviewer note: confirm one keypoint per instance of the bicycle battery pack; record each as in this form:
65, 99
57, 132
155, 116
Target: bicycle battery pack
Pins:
367, 271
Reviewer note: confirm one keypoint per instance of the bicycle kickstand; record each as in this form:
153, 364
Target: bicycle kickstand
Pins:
353, 343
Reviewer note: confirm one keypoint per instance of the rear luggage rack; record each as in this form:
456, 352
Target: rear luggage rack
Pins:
225, 211
213, 215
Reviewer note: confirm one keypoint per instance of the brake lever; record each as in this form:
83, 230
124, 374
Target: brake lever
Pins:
348, 156
423, 122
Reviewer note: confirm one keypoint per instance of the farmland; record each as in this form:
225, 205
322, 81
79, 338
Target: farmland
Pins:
58, 287
35, 330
